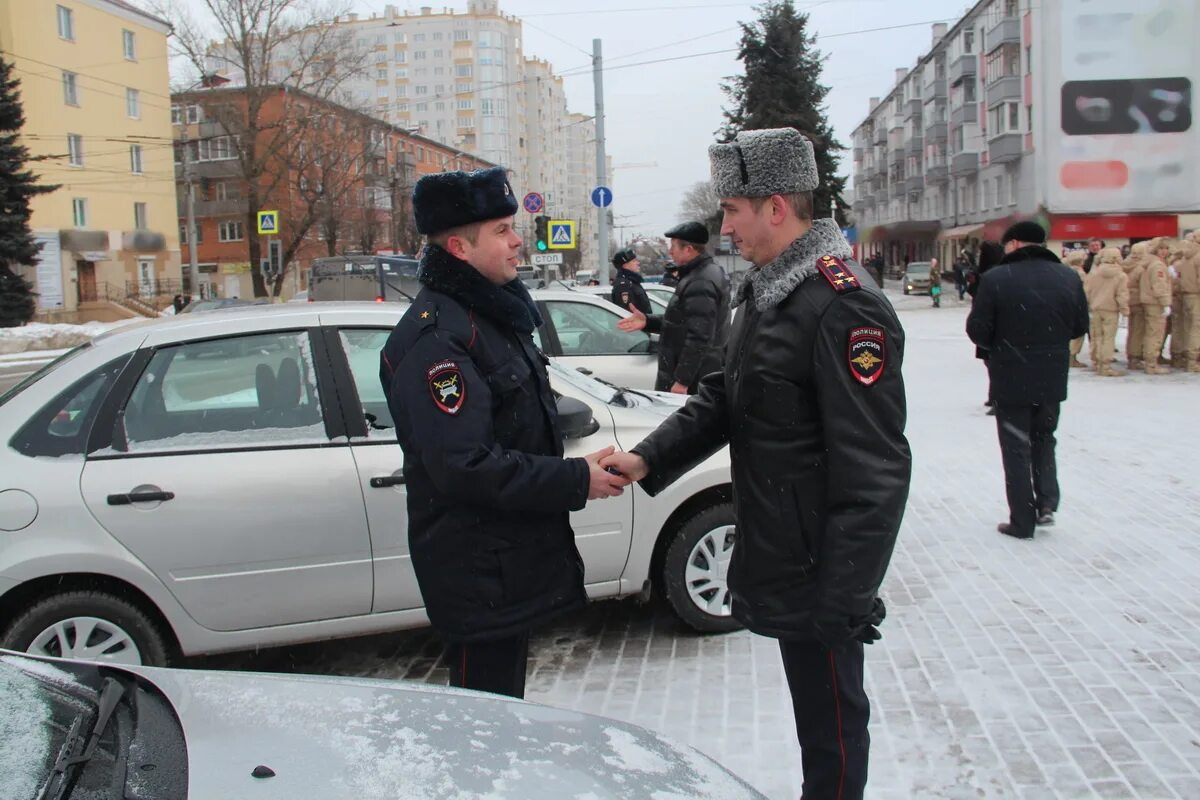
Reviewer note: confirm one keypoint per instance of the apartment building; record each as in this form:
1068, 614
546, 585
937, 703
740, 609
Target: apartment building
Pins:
95, 91
339, 180
1033, 110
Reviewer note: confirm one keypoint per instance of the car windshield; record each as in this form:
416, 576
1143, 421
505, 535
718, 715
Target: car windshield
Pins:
30, 380
920, 268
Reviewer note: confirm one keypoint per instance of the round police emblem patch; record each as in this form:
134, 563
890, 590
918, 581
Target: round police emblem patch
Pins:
447, 386
866, 354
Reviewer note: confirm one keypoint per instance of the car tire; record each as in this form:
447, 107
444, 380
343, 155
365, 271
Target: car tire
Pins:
906, 290
702, 543
118, 630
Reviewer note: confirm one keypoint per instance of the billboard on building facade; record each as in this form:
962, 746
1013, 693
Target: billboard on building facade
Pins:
1119, 84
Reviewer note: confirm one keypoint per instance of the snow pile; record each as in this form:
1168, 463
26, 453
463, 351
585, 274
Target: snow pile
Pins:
48, 336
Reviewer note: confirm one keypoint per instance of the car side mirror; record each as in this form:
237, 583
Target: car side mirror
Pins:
575, 420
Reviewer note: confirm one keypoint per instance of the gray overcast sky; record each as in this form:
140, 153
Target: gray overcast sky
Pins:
667, 113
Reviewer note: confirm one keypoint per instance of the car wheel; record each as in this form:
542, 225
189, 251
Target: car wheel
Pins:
695, 568
88, 625
906, 290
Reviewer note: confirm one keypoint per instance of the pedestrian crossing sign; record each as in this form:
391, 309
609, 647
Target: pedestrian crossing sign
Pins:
268, 222
562, 234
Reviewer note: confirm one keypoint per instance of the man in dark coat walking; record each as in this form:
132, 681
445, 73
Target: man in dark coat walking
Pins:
1025, 314
694, 328
627, 287
811, 403
489, 492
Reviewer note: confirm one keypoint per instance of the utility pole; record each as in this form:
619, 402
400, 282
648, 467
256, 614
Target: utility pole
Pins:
601, 159
193, 269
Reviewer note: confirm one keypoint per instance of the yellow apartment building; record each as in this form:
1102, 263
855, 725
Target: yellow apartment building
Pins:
94, 85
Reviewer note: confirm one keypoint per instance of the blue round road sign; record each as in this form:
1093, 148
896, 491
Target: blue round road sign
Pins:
533, 202
602, 197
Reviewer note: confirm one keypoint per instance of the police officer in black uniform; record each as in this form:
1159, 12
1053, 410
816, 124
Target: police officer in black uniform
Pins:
811, 404
489, 492
694, 328
627, 283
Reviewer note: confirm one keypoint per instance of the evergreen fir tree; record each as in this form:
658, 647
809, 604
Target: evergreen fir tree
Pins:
17, 185
781, 88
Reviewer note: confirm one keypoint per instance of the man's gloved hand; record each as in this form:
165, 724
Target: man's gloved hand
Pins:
834, 630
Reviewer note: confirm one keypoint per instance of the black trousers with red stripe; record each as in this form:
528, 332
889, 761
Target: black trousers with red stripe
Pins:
832, 712
496, 666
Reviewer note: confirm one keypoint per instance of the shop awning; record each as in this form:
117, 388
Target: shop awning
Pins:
961, 232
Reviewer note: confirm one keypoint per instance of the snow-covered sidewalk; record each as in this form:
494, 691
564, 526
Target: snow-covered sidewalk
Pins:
37, 336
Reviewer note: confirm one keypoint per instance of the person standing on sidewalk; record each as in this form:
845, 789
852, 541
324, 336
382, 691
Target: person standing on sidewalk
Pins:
935, 282
1189, 291
1135, 335
489, 492
693, 329
1108, 298
811, 403
1154, 289
1025, 315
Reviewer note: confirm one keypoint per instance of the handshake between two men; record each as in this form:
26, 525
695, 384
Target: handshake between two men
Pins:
610, 471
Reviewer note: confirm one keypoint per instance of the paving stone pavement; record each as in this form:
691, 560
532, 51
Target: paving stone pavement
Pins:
1063, 667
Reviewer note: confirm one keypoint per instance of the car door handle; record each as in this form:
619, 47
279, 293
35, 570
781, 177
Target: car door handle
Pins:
386, 481
584, 370
139, 497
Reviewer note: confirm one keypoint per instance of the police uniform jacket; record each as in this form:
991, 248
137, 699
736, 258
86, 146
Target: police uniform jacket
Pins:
1027, 311
694, 328
489, 493
627, 289
811, 403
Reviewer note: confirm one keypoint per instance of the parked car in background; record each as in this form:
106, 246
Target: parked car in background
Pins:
580, 331
231, 480
658, 300
169, 734
916, 278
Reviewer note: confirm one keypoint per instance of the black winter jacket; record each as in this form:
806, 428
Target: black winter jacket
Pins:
489, 493
694, 328
1025, 314
627, 289
811, 403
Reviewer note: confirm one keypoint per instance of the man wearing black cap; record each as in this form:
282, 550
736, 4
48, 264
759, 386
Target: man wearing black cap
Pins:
693, 330
811, 404
627, 283
1025, 314
489, 492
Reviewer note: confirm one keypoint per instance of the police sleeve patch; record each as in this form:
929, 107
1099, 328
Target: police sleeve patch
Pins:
866, 354
625, 299
837, 273
447, 386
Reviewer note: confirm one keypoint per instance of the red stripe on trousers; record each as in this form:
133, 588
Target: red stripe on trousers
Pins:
837, 705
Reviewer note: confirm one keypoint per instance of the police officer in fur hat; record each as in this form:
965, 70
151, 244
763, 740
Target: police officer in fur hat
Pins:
489, 492
694, 328
627, 283
811, 403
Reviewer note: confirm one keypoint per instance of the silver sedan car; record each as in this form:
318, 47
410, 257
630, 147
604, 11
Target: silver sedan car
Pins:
231, 480
165, 734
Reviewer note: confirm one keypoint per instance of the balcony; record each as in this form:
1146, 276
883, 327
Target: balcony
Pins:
1006, 88
858, 154
915, 184
964, 164
898, 189
935, 132
881, 197
880, 134
1005, 148
218, 208
1006, 31
896, 156
962, 67
913, 108
916, 146
964, 114
936, 173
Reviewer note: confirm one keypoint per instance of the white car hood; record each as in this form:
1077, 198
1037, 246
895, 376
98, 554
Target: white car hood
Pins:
363, 739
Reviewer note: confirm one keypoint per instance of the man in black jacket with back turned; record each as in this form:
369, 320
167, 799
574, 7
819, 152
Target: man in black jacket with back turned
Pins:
693, 330
1025, 314
811, 403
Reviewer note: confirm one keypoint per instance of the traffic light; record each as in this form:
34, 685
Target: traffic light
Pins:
541, 224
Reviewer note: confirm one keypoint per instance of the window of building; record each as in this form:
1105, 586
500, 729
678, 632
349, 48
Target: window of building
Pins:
193, 115
75, 149
419, 55
1029, 119
1012, 190
176, 115
466, 122
402, 108
139, 216
968, 42
437, 36
227, 190
135, 159
381, 74
422, 89
418, 37
229, 231
401, 90
133, 108
439, 70
968, 89
422, 106
66, 23
401, 73
462, 36
129, 45
439, 53
439, 106
70, 82
462, 70
183, 238
1014, 117
79, 208
381, 92
218, 148
465, 104
399, 37
402, 57
464, 88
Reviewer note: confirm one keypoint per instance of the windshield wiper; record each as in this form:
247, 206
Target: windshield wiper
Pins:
621, 390
79, 749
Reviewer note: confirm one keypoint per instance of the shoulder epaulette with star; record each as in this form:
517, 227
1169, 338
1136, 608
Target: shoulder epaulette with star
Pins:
838, 274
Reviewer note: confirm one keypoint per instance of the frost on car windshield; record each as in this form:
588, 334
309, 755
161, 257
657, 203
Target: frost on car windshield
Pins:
259, 389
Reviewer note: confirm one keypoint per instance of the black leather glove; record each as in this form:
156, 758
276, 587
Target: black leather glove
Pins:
834, 630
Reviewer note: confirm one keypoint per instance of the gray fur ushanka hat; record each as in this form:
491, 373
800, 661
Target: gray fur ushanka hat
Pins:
763, 163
